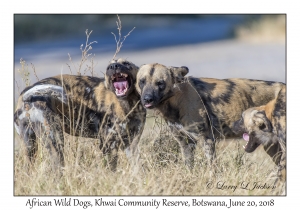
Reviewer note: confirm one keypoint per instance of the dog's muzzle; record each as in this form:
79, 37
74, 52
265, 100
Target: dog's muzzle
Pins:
120, 78
148, 101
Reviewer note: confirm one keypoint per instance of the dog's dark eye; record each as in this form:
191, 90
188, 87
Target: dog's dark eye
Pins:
161, 85
126, 63
263, 126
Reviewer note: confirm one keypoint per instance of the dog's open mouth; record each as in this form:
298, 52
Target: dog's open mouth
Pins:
251, 145
246, 138
121, 83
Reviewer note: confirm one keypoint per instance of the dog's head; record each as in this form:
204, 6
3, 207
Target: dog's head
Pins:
252, 120
120, 77
155, 82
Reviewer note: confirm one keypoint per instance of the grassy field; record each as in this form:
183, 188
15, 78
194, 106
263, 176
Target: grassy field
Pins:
160, 171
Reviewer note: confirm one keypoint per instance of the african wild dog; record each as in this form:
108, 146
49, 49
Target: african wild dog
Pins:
199, 109
266, 125
107, 109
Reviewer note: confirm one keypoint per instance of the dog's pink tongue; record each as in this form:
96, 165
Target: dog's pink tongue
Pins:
121, 85
246, 136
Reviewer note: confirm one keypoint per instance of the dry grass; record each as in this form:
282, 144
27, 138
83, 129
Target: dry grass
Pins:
161, 170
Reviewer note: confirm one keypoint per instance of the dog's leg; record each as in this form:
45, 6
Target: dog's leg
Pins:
113, 159
207, 140
187, 149
30, 142
57, 138
132, 152
282, 167
134, 132
282, 163
51, 135
49, 129
209, 149
25, 129
35, 121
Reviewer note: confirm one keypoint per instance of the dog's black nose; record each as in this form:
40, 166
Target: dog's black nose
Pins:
148, 99
114, 66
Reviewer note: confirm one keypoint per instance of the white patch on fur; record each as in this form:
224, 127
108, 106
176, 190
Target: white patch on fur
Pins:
112, 146
88, 90
35, 115
127, 152
176, 125
112, 131
51, 90
123, 125
17, 128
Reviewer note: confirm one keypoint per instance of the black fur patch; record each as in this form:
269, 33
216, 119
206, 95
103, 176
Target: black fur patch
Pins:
152, 71
206, 89
202, 86
225, 97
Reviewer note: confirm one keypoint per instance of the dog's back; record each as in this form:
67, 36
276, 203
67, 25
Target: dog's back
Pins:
226, 99
85, 90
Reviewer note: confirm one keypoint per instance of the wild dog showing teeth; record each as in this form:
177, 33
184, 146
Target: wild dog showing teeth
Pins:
105, 109
266, 125
199, 110
121, 82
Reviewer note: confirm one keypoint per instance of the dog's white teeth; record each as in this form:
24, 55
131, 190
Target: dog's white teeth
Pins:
244, 146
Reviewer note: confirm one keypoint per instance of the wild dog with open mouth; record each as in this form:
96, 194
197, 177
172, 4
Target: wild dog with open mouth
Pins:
106, 109
199, 110
266, 125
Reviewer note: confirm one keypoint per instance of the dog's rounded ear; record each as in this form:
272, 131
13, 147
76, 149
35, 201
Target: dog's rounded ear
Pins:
178, 73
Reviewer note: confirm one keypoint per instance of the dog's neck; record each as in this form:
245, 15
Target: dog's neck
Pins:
169, 107
176, 106
130, 101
